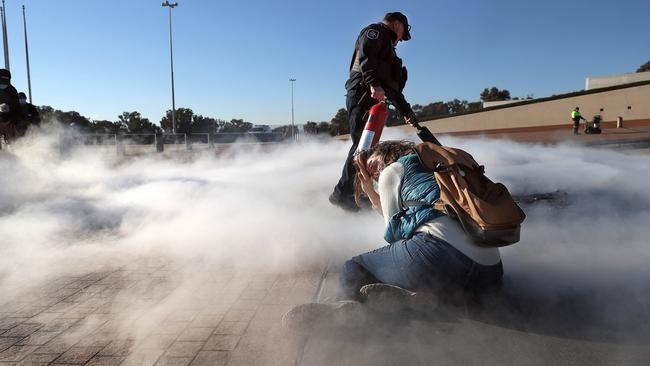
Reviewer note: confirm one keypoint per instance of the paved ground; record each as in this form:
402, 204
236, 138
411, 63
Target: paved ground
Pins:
628, 136
135, 315
519, 327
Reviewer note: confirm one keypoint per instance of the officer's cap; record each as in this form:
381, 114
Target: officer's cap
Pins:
402, 19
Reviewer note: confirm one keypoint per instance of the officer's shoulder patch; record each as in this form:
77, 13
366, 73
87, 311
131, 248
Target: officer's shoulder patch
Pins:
372, 34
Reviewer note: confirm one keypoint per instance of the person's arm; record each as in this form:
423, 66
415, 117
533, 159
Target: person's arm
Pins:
370, 43
399, 101
389, 185
367, 185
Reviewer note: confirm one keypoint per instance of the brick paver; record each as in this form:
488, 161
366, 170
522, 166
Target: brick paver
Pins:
137, 315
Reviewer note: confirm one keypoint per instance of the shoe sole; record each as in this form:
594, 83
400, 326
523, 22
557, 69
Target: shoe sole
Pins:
389, 298
306, 318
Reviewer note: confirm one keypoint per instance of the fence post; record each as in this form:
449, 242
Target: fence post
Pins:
119, 146
188, 142
65, 143
158, 141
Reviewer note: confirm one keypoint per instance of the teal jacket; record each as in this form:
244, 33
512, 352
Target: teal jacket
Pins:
418, 191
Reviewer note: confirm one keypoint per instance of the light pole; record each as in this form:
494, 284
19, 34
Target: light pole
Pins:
292, 124
29, 78
5, 42
171, 58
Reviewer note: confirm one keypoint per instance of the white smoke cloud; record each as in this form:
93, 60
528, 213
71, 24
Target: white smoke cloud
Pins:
266, 208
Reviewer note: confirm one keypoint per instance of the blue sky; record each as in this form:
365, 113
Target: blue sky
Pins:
233, 59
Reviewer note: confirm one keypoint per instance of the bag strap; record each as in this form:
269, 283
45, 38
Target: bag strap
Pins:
432, 156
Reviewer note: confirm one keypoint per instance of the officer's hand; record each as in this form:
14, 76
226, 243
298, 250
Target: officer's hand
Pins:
377, 93
412, 120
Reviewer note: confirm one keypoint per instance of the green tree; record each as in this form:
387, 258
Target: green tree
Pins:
235, 125
104, 126
46, 112
339, 124
644, 67
314, 128
73, 118
49, 114
135, 123
456, 106
494, 94
435, 109
183, 120
474, 106
323, 127
202, 124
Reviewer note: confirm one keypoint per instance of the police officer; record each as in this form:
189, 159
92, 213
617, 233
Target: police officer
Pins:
11, 112
30, 115
376, 73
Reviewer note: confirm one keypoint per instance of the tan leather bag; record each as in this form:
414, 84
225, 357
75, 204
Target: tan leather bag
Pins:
486, 210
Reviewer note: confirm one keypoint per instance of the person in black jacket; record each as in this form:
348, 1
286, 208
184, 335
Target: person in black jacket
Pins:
10, 111
376, 74
30, 115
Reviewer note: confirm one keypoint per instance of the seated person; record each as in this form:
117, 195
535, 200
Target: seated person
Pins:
428, 251
428, 256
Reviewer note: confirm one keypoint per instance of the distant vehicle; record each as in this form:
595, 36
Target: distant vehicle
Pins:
260, 129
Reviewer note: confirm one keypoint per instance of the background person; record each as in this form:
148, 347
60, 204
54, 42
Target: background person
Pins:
576, 117
376, 73
10, 111
30, 115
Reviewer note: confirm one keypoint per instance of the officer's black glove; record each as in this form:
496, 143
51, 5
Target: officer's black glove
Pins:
412, 119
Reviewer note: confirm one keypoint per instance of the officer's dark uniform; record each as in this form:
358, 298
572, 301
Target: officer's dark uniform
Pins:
374, 63
30, 115
9, 96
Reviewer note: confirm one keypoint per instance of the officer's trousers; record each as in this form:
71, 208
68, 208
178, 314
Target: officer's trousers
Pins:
358, 102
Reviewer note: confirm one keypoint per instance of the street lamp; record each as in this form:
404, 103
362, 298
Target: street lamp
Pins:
292, 125
29, 78
3, 13
171, 57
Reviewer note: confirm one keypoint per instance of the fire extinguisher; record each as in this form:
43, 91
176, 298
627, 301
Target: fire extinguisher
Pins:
372, 131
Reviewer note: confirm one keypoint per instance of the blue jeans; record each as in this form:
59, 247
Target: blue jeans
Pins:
422, 262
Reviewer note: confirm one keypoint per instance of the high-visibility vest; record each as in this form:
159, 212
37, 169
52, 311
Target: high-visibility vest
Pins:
575, 114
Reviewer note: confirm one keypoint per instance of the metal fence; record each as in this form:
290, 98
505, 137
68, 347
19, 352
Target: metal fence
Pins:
121, 141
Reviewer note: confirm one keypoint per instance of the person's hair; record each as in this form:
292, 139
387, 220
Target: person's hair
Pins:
389, 17
386, 153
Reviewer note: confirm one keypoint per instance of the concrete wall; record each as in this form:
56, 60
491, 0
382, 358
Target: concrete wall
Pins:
605, 81
499, 102
613, 103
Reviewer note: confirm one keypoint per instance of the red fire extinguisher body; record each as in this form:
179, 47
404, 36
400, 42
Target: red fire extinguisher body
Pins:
374, 126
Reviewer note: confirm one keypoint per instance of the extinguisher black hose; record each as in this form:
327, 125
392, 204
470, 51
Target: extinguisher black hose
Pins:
423, 133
